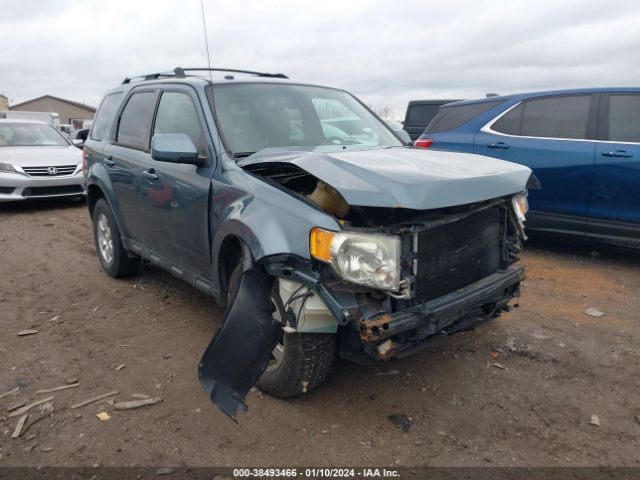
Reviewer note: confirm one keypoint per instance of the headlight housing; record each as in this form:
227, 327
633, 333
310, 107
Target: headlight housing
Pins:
520, 206
7, 168
362, 258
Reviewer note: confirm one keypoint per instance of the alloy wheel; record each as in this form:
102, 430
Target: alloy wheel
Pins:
105, 238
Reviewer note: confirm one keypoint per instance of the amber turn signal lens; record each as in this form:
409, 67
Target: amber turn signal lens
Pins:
320, 244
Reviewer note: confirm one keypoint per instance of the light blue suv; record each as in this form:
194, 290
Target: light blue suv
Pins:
305, 216
583, 145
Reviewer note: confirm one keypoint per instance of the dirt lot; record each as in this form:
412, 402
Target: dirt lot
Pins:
529, 405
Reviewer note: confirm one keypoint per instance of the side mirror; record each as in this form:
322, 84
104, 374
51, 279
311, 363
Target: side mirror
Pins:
174, 148
77, 142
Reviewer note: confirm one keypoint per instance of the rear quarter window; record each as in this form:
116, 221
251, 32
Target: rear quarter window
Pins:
452, 117
104, 116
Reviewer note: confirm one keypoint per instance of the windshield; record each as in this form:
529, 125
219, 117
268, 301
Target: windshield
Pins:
257, 116
30, 135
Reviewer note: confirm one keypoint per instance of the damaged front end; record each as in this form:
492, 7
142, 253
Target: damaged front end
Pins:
442, 270
390, 281
460, 268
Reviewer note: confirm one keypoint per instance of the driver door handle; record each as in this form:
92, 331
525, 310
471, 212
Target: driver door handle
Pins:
500, 145
108, 161
150, 174
617, 154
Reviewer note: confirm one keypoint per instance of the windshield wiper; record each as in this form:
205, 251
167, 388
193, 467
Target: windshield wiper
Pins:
242, 154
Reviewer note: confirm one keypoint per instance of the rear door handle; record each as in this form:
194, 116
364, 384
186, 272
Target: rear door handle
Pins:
617, 154
149, 174
501, 145
109, 162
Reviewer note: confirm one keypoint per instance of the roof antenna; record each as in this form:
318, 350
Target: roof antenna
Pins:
213, 100
206, 39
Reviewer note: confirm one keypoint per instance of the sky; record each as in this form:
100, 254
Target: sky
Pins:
385, 52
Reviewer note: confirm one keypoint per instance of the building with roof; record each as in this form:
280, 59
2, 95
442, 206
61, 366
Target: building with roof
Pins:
70, 112
4, 103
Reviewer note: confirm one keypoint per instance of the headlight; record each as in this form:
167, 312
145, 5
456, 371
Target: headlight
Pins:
366, 259
6, 168
520, 206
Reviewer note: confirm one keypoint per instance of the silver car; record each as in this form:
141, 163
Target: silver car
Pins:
36, 161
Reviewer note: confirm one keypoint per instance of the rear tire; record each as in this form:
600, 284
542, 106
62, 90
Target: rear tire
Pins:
304, 359
114, 259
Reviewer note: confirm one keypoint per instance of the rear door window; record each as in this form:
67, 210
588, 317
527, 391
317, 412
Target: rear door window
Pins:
105, 115
134, 127
557, 117
449, 118
550, 117
624, 118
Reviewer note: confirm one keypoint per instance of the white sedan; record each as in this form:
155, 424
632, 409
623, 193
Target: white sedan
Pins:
37, 161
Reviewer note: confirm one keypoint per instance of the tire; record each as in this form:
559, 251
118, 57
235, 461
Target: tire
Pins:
114, 259
304, 359
306, 362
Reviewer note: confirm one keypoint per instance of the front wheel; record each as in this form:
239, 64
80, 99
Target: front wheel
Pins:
300, 361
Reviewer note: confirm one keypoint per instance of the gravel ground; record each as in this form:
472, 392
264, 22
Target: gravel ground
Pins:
520, 390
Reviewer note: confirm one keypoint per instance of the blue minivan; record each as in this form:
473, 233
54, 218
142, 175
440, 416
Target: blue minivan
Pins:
583, 145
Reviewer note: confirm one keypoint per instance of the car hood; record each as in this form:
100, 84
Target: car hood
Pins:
44, 156
405, 177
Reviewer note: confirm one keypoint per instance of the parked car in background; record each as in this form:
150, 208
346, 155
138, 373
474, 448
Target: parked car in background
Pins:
66, 129
419, 113
52, 118
37, 161
299, 210
78, 137
583, 145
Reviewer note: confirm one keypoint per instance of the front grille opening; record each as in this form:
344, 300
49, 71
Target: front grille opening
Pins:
456, 254
6, 190
51, 191
53, 171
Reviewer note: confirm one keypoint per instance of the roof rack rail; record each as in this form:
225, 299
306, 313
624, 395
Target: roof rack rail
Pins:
149, 76
180, 72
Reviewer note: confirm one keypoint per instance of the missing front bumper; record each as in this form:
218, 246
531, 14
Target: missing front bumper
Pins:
466, 306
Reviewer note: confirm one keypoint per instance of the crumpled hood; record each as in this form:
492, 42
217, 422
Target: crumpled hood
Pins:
404, 177
41, 156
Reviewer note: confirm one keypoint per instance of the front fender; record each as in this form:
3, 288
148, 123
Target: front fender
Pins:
268, 219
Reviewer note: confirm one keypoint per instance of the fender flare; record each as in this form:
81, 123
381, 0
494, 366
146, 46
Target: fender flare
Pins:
99, 178
245, 236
